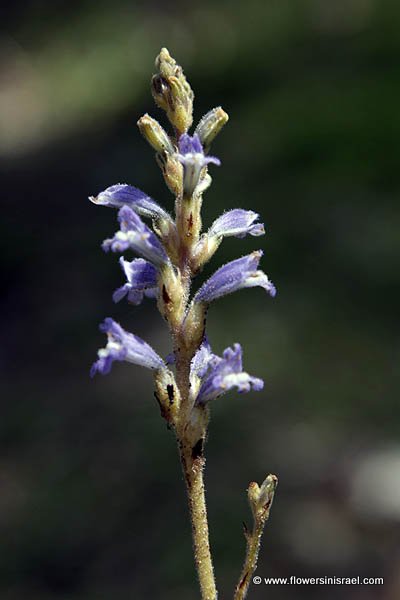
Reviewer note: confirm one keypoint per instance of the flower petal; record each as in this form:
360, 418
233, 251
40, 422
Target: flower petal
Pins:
141, 280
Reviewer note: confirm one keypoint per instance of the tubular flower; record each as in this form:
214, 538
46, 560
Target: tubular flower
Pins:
124, 346
122, 194
235, 275
238, 223
193, 159
215, 375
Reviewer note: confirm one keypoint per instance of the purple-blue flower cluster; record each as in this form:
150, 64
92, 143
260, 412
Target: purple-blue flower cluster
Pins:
168, 254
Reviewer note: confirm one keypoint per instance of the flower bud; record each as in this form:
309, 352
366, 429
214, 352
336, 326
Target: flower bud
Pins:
203, 251
172, 171
267, 491
194, 326
156, 136
172, 92
171, 301
261, 497
167, 395
253, 494
210, 125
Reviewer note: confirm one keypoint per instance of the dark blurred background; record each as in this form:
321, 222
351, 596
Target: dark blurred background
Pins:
92, 502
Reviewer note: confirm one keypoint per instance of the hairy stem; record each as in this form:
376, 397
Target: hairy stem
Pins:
193, 465
250, 564
260, 501
191, 423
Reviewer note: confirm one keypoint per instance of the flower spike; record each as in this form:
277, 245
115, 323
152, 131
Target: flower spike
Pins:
171, 252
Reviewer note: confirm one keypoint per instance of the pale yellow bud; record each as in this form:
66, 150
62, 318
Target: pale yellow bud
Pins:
194, 326
203, 251
253, 494
210, 125
157, 137
172, 171
165, 64
167, 395
172, 92
171, 302
267, 491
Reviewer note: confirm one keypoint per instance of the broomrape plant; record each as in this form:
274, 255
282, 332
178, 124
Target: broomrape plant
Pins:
172, 252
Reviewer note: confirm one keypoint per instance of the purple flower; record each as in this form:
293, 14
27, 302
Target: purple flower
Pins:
136, 235
211, 376
142, 281
235, 275
123, 194
237, 222
193, 159
124, 346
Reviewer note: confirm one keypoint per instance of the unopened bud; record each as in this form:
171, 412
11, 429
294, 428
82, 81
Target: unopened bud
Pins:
210, 125
203, 251
172, 170
261, 497
165, 64
157, 137
172, 92
253, 494
170, 300
194, 326
167, 394
267, 491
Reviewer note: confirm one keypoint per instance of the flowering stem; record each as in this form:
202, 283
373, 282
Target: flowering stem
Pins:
250, 564
260, 502
172, 252
193, 471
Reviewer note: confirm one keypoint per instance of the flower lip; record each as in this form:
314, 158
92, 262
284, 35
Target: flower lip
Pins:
190, 145
141, 281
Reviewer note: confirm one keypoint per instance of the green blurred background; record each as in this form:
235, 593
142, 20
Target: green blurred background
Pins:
92, 502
